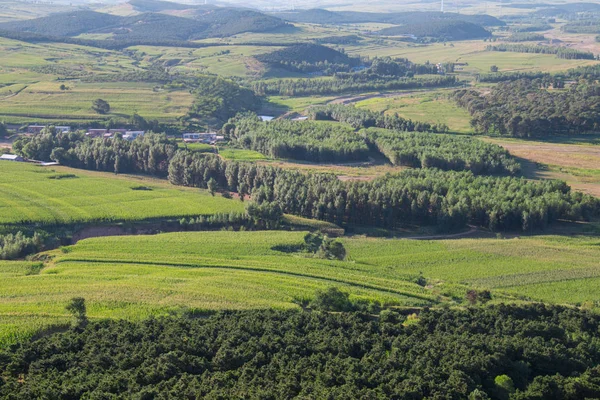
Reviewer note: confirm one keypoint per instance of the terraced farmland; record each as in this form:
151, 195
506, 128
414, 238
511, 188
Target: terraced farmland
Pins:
58, 195
134, 277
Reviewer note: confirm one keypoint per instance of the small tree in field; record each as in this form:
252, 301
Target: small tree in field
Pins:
212, 186
101, 106
494, 68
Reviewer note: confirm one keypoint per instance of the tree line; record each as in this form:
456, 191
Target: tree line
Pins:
524, 108
561, 52
346, 83
447, 200
445, 152
525, 352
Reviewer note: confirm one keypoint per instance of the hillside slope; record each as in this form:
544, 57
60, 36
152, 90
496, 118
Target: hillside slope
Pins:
319, 16
216, 22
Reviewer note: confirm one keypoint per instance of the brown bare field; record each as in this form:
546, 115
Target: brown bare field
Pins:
578, 165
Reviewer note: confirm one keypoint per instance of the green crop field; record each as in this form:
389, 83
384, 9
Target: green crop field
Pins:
137, 276
221, 60
30, 89
432, 107
33, 194
46, 102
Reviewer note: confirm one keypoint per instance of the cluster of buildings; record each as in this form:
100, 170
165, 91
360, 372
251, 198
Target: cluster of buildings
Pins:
190, 137
38, 128
109, 133
201, 137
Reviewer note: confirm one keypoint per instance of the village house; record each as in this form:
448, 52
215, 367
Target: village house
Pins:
11, 157
132, 135
96, 132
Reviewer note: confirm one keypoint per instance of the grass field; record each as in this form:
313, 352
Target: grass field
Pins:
28, 194
137, 276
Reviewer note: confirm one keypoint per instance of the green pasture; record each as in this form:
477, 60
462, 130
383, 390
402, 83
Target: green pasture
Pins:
137, 276
32, 194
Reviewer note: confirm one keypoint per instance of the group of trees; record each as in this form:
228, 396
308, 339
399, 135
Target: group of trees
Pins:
218, 99
525, 37
361, 118
18, 245
448, 200
300, 140
445, 152
524, 108
591, 25
347, 83
308, 58
561, 52
497, 352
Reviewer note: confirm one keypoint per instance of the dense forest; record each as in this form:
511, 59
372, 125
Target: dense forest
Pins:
439, 30
447, 200
445, 152
347, 83
498, 352
299, 140
524, 108
561, 52
361, 118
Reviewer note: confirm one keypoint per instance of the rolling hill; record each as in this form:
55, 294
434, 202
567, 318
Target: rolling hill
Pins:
319, 16
308, 53
216, 22
442, 30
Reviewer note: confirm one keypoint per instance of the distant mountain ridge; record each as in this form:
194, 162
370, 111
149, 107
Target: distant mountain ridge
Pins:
320, 16
204, 23
440, 30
